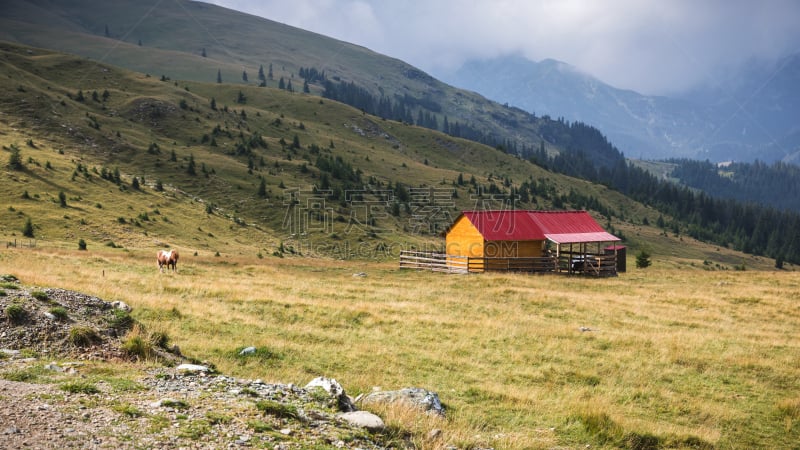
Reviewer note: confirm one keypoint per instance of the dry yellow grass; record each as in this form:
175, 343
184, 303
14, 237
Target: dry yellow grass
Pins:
687, 357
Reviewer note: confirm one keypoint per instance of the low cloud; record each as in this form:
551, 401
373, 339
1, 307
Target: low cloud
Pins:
653, 47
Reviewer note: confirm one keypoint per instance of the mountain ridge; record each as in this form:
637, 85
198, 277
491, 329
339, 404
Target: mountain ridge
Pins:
702, 124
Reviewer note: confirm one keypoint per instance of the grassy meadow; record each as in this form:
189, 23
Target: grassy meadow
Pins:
676, 356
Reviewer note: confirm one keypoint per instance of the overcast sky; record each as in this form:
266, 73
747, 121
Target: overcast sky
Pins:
651, 46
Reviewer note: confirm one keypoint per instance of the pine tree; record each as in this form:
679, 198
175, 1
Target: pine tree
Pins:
190, 168
289, 86
262, 189
62, 199
15, 159
643, 260
203, 52
306, 89
219, 76
261, 73
213, 103
270, 71
244, 76
27, 229
281, 84
107, 32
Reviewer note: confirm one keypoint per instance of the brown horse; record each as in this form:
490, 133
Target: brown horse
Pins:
167, 258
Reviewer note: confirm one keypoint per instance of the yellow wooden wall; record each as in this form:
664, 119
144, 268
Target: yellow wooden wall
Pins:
514, 249
463, 239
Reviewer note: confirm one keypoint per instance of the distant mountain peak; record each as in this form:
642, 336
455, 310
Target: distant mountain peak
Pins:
706, 123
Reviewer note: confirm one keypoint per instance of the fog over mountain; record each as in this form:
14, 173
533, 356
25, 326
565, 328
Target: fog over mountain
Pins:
747, 114
655, 48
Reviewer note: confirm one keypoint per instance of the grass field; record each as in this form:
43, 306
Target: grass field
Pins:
677, 356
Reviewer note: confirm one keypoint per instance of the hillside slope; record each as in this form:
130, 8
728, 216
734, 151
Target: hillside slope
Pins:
170, 38
212, 172
282, 173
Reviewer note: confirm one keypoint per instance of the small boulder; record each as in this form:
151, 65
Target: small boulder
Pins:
363, 419
121, 306
192, 368
247, 351
335, 390
424, 399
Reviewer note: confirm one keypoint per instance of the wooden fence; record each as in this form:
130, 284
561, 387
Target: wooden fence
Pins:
436, 262
593, 265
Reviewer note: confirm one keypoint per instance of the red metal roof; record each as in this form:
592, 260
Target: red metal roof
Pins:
505, 225
557, 226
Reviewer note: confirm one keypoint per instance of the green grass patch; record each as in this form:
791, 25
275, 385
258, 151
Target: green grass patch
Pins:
15, 313
40, 295
259, 426
120, 320
83, 336
79, 387
176, 404
128, 410
194, 429
21, 375
277, 409
60, 313
261, 355
215, 418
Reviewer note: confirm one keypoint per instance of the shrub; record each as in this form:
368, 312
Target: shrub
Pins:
120, 320
258, 426
129, 410
137, 346
159, 339
19, 375
60, 313
79, 387
279, 410
39, 295
15, 313
81, 336
81, 245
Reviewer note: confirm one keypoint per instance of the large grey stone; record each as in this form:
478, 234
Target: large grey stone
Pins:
422, 398
363, 419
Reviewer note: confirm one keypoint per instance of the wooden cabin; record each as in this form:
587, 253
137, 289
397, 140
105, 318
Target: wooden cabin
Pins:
533, 241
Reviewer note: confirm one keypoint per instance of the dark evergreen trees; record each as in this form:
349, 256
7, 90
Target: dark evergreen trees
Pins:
27, 229
643, 260
262, 189
15, 158
219, 76
191, 168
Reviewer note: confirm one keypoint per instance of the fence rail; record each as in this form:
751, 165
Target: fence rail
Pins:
594, 265
436, 262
